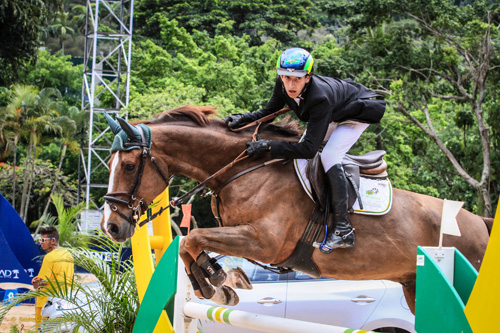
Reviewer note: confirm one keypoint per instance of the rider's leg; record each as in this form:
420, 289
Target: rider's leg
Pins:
341, 140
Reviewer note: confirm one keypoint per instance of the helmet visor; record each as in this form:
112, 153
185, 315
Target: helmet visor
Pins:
291, 72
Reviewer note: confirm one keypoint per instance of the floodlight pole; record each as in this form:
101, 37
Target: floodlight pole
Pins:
107, 56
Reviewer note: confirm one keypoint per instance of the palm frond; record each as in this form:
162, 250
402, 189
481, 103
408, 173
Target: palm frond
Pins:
113, 308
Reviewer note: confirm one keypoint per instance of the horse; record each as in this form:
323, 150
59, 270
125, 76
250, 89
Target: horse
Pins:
264, 212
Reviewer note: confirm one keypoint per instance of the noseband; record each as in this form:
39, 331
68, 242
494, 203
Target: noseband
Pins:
138, 205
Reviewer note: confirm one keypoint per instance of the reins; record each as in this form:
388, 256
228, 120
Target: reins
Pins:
201, 186
260, 121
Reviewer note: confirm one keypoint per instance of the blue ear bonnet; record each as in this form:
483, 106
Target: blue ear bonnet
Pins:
123, 142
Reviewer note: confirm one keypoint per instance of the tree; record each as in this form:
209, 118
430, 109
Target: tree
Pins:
70, 119
278, 19
55, 71
39, 118
20, 24
60, 27
44, 175
20, 100
435, 59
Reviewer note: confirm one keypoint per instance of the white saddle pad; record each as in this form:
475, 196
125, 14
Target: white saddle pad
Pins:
376, 194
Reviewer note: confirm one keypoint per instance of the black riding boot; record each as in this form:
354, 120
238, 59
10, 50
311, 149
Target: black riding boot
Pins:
342, 235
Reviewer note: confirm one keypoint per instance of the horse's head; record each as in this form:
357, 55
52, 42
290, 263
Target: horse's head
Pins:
135, 179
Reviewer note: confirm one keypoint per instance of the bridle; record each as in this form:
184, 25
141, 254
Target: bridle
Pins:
137, 204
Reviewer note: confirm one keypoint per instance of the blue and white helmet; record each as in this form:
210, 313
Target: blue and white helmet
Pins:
295, 62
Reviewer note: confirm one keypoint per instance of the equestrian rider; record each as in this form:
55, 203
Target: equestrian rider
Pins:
319, 101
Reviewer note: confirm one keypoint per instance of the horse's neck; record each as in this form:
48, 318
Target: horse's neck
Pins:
196, 152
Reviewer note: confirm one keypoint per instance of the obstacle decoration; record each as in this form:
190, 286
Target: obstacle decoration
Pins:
169, 288
443, 289
482, 308
142, 245
451, 296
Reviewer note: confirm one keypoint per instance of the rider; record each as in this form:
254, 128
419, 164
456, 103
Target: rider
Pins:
319, 101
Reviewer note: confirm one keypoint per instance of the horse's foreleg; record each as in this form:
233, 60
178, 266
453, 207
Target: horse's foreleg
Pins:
220, 294
202, 289
239, 241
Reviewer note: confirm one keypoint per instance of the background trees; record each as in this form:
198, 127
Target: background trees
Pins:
437, 62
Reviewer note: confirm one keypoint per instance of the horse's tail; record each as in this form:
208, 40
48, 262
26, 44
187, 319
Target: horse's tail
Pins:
489, 223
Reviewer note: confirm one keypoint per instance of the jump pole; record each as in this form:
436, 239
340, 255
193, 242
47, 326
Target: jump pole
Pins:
170, 289
257, 321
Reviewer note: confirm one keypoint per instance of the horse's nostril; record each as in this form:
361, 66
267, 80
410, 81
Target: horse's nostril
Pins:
113, 229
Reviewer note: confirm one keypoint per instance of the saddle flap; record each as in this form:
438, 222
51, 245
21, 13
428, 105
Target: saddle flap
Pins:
352, 174
316, 175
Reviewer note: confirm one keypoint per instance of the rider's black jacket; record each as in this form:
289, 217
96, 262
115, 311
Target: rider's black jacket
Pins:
325, 99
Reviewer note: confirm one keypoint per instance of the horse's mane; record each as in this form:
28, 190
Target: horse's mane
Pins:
200, 115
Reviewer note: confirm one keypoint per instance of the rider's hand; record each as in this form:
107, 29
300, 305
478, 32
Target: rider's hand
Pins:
255, 148
236, 120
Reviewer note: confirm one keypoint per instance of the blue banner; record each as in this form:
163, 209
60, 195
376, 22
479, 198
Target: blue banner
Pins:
18, 263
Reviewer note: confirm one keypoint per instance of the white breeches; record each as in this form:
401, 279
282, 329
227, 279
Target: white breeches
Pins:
342, 136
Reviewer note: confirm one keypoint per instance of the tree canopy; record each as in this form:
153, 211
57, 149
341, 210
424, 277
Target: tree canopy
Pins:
437, 62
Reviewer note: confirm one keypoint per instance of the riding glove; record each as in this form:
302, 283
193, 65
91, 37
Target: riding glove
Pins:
238, 119
255, 148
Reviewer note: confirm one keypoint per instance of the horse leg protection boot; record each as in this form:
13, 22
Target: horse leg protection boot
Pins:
342, 235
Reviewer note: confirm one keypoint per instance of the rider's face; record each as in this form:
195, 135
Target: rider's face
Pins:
294, 85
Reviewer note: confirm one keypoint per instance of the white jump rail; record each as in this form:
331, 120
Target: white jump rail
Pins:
257, 321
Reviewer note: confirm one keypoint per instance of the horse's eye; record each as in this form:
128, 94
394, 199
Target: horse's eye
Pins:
130, 167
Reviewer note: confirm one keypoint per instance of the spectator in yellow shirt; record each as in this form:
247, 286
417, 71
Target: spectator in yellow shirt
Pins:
57, 265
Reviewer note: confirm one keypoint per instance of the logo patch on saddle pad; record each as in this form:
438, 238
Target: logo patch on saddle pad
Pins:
375, 193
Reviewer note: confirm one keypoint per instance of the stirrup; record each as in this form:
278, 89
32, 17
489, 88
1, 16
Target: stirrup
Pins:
337, 233
324, 248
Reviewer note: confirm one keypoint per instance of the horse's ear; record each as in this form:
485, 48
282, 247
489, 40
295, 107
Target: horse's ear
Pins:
115, 127
132, 132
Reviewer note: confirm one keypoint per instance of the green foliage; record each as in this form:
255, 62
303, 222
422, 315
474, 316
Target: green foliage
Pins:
223, 71
427, 56
20, 23
42, 183
65, 221
114, 303
279, 19
222, 53
55, 71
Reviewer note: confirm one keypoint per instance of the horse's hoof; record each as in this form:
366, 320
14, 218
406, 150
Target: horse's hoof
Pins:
237, 279
225, 296
213, 271
231, 296
205, 288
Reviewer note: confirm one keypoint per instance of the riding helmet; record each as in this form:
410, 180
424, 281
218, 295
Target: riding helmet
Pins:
295, 62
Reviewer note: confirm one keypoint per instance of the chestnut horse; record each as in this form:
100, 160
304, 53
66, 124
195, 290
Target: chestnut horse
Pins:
265, 212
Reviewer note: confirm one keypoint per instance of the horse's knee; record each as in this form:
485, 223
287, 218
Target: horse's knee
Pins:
192, 242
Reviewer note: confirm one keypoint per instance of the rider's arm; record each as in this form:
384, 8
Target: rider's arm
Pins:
317, 127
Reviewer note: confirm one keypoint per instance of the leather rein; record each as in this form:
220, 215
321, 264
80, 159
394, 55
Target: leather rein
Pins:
138, 205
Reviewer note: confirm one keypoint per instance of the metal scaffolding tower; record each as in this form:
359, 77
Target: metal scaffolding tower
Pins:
106, 81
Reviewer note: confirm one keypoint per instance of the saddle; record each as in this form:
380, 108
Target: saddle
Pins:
371, 164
